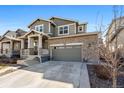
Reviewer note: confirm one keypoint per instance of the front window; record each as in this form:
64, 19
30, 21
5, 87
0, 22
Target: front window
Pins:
66, 29
80, 29
63, 30
39, 28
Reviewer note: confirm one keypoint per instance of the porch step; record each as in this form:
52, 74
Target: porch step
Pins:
30, 60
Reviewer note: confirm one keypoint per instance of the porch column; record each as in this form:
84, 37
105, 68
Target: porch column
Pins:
39, 44
11, 48
51, 56
22, 43
40, 41
22, 47
29, 45
29, 42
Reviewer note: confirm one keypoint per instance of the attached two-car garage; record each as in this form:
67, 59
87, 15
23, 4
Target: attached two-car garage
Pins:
67, 53
73, 47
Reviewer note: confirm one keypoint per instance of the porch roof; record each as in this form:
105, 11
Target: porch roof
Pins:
24, 36
42, 20
9, 38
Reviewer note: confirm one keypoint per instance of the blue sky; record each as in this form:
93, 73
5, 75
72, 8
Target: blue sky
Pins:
14, 17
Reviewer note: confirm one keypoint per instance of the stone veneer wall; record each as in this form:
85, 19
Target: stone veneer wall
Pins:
88, 48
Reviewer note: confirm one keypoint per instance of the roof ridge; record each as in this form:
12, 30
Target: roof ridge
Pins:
64, 18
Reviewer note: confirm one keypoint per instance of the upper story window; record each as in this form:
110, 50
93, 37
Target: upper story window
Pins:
39, 28
80, 29
63, 30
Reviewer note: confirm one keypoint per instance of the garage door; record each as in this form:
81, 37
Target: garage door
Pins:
67, 53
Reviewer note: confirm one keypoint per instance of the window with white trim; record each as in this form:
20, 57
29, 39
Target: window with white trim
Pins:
80, 29
39, 28
63, 30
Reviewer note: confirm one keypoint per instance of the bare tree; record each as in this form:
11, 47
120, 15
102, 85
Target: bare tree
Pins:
112, 58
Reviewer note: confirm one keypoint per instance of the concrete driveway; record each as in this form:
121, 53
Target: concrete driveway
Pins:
51, 74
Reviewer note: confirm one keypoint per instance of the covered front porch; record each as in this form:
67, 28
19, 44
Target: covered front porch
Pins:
10, 47
34, 43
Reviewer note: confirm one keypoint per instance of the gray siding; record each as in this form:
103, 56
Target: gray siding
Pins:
53, 29
45, 23
60, 22
72, 29
84, 28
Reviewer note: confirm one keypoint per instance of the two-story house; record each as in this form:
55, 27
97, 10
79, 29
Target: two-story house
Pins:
10, 44
61, 39
115, 34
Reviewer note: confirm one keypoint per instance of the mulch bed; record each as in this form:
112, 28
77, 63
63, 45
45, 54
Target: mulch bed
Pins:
96, 82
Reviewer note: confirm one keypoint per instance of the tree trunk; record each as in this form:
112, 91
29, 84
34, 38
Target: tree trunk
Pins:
114, 78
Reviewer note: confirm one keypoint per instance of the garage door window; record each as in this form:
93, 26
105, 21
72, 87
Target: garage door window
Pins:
60, 47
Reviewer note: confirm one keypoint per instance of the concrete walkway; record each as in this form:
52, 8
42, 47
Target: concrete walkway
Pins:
84, 78
48, 75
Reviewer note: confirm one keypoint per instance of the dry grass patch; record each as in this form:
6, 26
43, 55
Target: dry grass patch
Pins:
3, 66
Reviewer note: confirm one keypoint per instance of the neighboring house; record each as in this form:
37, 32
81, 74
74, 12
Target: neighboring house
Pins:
116, 34
10, 45
61, 39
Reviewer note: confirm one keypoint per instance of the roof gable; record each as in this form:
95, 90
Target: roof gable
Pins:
36, 21
4, 39
8, 32
62, 19
20, 32
33, 32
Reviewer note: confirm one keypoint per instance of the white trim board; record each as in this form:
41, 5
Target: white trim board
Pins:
63, 30
66, 25
39, 27
74, 44
68, 44
57, 45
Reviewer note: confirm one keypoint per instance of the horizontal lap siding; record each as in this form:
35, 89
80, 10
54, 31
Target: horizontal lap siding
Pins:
45, 23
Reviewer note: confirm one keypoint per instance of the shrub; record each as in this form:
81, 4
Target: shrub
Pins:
102, 72
13, 61
3, 56
4, 59
7, 60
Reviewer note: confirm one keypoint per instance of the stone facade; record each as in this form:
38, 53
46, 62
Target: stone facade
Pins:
88, 47
74, 39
